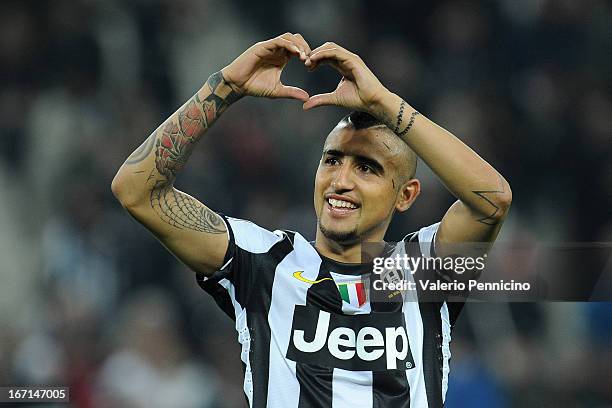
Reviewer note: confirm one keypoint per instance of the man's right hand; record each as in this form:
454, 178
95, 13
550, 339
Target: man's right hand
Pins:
257, 71
145, 183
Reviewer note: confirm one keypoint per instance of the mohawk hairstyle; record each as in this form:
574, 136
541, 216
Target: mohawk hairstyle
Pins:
360, 120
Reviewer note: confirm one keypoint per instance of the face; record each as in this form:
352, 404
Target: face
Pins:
358, 185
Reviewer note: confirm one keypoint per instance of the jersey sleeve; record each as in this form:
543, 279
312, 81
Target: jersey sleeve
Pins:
427, 239
423, 244
231, 286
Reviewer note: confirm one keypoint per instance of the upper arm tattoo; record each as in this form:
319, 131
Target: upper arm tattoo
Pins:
184, 212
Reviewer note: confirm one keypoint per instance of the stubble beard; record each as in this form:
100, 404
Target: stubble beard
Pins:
341, 237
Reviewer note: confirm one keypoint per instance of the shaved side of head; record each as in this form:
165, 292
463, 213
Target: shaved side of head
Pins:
405, 159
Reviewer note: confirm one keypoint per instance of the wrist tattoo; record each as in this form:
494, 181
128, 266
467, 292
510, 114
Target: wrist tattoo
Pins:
398, 120
410, 123
217, 79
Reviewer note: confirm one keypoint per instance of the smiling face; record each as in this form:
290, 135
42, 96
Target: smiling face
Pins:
364, 176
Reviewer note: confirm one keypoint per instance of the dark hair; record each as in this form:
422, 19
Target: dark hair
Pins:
360, 120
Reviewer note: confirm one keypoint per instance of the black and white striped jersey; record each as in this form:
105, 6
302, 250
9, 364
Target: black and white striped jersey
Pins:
311, 337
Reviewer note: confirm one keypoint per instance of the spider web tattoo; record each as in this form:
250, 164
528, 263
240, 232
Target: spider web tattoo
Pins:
184, 212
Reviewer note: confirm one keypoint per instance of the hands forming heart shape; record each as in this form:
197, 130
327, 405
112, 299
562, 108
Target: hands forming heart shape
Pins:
257, 72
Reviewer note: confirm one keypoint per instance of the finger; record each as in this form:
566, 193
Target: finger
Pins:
328, 46
328, 50
329, 58
303, 42
296, 41
337, 59
291, 92
278, 43
336, 53
320, 100
329, 53
333, 63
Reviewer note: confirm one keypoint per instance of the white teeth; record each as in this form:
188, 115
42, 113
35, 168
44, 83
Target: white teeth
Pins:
341, 203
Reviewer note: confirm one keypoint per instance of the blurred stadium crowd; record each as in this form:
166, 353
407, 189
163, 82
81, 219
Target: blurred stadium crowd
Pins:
88, 299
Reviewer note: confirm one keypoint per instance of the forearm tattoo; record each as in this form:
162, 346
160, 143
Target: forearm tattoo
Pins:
184, 212
142, 152
176, 140
173, 144
400, 118
491, 219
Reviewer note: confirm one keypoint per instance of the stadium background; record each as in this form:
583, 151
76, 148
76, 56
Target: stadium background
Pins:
89, 299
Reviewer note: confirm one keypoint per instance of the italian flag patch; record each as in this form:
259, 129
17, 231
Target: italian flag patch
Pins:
352, 293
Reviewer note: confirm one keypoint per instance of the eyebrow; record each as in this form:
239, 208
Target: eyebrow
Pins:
360, 159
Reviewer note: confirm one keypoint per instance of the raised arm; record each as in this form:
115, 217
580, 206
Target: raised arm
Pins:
484, 196
145, 182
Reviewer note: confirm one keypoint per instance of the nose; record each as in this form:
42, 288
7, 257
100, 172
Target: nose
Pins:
342, 180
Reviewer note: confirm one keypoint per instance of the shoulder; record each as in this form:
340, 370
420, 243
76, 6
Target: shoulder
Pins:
253, 238
424, 239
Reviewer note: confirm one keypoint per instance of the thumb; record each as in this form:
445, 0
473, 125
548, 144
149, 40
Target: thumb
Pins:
291, 92
320, 100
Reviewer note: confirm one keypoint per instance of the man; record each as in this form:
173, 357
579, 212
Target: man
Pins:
310, 336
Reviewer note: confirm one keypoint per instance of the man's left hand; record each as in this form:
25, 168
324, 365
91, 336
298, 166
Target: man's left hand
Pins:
359, 89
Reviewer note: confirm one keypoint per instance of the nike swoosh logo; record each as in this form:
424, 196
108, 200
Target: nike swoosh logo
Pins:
298, 275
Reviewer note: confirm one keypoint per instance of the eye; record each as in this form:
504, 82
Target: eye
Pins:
364, 168
332, 161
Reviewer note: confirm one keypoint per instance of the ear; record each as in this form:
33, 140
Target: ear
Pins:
407, 193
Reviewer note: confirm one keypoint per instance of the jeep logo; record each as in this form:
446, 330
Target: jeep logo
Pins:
357, 342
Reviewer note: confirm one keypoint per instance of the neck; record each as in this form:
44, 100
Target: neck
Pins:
339, 251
